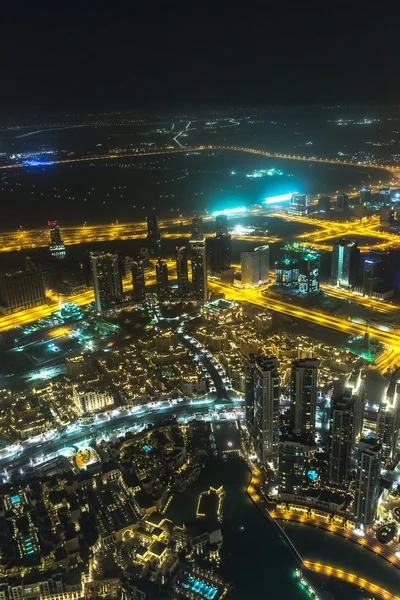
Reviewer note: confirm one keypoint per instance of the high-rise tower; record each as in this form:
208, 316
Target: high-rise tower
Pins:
367, 481
162, 280
345, 262
107, 280
56, 245
341, 437
303, 397
266, 408
138, 281
199, 268
182, 270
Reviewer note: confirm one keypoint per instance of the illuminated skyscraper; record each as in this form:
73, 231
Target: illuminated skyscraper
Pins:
220, 246
303, 397
162, 280
309, 273
197, 227
138, 281
199, 268
266, 408
182, 270
107, 280
367, 481
255, 267
57, 246
287, 272
341, 437
345, 263
373, 272
388, 422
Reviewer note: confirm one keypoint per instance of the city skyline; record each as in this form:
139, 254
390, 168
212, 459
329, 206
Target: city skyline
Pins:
199, 306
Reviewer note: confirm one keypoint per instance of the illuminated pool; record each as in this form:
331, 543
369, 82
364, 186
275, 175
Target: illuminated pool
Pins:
201, 588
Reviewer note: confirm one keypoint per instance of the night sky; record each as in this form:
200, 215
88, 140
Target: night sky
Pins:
170, 58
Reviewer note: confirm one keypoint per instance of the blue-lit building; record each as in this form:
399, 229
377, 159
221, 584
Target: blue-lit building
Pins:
345, 263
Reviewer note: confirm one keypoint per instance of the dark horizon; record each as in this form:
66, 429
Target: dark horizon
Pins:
100, 62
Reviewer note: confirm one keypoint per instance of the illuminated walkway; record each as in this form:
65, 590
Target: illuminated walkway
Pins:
366, 541
351, 578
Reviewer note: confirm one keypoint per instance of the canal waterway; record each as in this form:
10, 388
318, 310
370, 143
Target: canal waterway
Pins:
327, 548
258, 562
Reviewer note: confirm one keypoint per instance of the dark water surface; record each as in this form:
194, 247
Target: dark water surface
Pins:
260, 564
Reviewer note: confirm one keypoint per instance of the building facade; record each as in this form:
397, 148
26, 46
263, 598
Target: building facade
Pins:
162, 280
107, 281
303, 397
21, 291
199, 268
266, 408
367, 482
345, 263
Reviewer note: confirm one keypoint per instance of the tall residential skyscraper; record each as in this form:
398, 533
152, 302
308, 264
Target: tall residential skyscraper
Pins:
153, 232
199, 268
388, 422
21, 290
345, 262
56, 245
303, 397
341, 437
367, 481
255, 267
266, 408
138, 281
197, 227
342, 202
107, 280
162, 280
250, 364
182, 270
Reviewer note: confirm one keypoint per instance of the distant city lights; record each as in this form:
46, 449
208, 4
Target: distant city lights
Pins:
280, 198
230, 211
